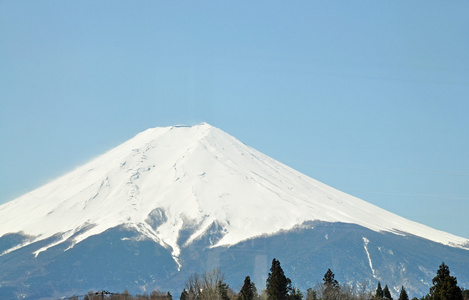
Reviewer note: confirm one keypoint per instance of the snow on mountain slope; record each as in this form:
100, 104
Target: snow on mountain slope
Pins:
165, 179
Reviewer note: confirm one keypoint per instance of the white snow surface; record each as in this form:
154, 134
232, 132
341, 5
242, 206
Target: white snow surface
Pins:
365, 246
194, 175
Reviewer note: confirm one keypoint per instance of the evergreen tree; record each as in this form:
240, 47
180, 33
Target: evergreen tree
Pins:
386, 293
329, 279
223, 291
184, 295
277, 284
331, 286
403, 295
445, 286
248, 291
379, 292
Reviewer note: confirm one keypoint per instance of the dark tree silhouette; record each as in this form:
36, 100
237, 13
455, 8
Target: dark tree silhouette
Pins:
184, 295
445, 286
329, 279
331, 286
403, 295
386, 293
277, 285
379, 292
248, 291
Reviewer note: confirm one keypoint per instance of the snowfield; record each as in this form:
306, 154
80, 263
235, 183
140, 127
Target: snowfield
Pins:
167, 179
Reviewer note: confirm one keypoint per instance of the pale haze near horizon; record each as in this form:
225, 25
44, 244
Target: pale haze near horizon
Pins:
370, 98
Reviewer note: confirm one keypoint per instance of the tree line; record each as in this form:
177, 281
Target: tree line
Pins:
212, 286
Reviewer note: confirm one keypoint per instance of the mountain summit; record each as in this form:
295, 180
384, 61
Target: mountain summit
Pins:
165, 178
174, 185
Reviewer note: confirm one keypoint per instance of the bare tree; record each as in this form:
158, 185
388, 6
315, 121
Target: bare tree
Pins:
193, 287
210, 286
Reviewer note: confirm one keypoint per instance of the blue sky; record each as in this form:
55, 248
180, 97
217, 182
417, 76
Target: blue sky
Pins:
370, 97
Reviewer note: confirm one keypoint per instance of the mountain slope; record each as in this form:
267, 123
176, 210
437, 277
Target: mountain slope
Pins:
190, 193
119, 259
195, 174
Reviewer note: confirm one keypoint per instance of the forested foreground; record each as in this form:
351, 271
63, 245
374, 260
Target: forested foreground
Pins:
211, 286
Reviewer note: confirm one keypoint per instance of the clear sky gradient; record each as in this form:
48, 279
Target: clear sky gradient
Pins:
370, 97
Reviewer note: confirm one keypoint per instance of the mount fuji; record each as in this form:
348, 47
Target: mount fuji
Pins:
177, 200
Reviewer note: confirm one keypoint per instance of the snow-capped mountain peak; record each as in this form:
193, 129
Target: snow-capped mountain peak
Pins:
172, 179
